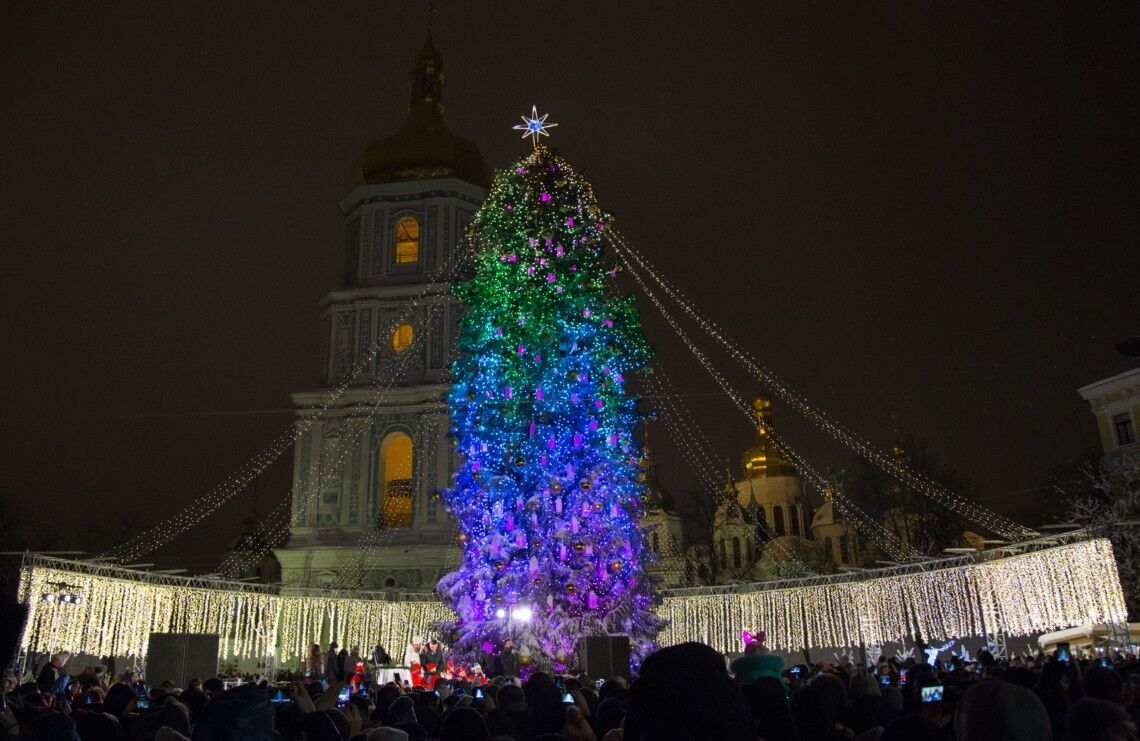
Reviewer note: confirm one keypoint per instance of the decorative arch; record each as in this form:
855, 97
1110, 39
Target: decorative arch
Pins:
396, 495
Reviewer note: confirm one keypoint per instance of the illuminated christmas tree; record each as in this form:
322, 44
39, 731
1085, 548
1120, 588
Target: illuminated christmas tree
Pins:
548, 491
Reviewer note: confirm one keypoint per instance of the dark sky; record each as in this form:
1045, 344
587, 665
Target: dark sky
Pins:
929, 210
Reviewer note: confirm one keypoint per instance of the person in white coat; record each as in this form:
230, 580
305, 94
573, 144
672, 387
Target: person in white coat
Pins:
412, 654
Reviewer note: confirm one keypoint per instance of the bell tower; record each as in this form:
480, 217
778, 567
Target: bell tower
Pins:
367, 468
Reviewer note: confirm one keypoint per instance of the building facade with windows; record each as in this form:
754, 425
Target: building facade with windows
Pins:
1115, 402
372, 451
766, 525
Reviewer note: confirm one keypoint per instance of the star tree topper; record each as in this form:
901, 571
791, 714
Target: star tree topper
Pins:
534, 127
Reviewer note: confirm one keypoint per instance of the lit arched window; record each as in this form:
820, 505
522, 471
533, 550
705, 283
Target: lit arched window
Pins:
402, 337
396, 496
794, 514
407, 241
778, 517
736, 553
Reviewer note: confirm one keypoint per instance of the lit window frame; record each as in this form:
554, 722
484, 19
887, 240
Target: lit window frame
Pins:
398, 332
406, 250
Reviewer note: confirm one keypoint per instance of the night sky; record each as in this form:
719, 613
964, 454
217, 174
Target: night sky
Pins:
930, 211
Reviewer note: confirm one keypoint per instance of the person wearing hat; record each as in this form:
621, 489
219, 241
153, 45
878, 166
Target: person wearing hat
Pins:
51, 672
432, 655
757, 662
412, 653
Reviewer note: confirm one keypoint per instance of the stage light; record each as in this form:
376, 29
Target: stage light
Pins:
500, 613
523, 614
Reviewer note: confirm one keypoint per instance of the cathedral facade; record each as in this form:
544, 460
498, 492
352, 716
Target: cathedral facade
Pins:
372, 450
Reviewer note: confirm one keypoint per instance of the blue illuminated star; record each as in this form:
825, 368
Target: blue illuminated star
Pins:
534, 127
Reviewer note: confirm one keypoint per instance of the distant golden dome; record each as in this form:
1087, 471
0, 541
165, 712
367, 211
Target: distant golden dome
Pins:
423, 148
762, 459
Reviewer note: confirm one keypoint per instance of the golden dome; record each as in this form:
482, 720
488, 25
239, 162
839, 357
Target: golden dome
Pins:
762, 459
423, 148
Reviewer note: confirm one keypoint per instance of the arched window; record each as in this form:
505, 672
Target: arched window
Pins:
736, 553
656, 544
748, 545
390, 582
778, 516
794, 514
396, 496
407, 241
723, 554
842, 549
828, 549
761, 518
402, 337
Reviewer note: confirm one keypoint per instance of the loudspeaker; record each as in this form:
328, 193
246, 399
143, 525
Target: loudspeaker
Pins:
604, 657
181, 657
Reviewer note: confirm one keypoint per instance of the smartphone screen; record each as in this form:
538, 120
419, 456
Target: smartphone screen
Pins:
902, 676
884, 680
932, 694
478, 693
567, 698
142, 704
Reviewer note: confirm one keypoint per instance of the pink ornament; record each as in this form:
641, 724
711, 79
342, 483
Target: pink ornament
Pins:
558, 505
577, 439
545, 197
537, 392
550, 277
532, 429
570, 223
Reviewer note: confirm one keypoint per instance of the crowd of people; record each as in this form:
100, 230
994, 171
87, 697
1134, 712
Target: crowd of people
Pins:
688, 691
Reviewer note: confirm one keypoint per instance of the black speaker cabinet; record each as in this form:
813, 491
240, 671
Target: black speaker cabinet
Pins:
181, 657
604, 657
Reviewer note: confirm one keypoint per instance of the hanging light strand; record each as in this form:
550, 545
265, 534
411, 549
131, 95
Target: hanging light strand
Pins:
167, 530
891, 464
888, 541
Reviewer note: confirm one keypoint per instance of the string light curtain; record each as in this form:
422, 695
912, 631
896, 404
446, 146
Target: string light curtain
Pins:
115, 617
1046, 590
1020, 595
